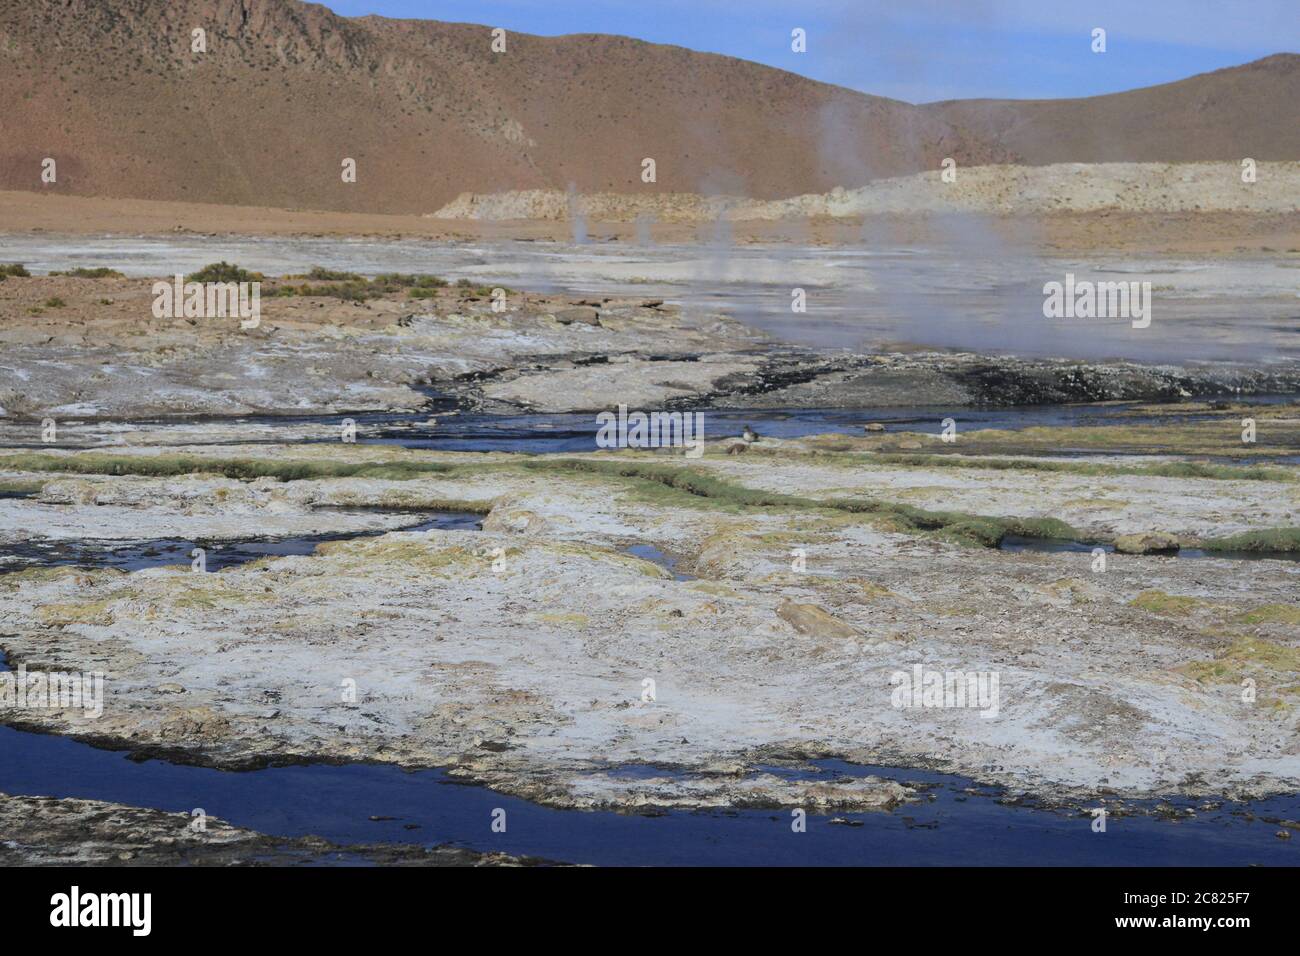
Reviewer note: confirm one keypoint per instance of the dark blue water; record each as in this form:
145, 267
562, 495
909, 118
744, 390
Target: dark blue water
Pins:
1013, 542
649, 552
135, 555
949, 826
576, 432
956, 822
566, 433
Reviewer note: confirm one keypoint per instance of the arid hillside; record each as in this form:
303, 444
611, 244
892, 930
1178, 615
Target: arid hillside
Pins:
286, 91
113, 91
1245, 111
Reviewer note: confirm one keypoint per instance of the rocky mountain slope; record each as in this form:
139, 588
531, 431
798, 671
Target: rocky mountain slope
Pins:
113, 91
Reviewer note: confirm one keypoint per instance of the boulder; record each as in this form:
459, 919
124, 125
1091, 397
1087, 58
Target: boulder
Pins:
513, 521
583, 315
1148, 542
811, 620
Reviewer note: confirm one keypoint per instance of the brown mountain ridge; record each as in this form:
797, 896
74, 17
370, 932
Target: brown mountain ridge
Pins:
286, 91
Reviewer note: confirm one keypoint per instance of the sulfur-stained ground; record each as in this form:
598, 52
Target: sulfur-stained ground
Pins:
808, 574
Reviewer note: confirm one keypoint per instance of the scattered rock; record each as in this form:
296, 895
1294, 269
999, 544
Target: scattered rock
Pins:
514, 520
583, 314
1149, 542
811, 620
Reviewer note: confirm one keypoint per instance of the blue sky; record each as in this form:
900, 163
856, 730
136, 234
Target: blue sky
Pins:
920, 50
